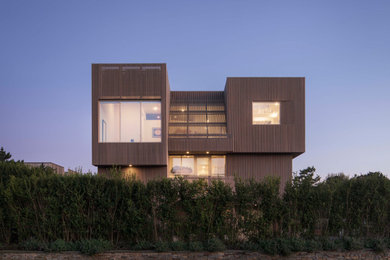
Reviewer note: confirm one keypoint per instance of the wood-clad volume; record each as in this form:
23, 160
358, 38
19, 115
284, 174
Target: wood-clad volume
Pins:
130, 82
288, 136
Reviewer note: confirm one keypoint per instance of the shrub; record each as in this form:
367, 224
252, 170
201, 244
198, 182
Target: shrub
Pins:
284, 247
33, 244
312, 245
377, 245
58, 246
162, 246
143, 245
269, 247
178, 246
329, 244
297, 245
195, 246
215, 244
93, 246
352, 244
250, 246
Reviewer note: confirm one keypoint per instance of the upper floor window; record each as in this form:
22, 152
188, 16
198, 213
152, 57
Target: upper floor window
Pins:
266, 113
129, 121
198, 120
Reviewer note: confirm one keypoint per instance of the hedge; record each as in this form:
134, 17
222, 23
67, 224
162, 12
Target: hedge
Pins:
36, 204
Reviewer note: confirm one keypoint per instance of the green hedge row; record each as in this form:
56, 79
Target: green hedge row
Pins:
38, 204
276, 246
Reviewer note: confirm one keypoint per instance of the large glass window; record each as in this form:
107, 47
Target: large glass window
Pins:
129, 121
201, 166
266, 113
197, 120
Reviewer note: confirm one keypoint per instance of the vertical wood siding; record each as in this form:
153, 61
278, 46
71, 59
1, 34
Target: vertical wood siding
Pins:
136, 82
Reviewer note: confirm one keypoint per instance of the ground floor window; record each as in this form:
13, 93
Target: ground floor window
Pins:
197, 165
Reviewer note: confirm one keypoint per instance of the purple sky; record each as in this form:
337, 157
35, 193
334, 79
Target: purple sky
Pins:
341, 47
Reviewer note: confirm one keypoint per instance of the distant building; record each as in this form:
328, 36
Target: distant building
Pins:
57, 168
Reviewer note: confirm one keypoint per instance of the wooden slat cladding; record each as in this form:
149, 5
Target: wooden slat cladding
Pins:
110, 81
288, 137
178, 97
145, 81
193, 145
258, 166
131, 80
141, 82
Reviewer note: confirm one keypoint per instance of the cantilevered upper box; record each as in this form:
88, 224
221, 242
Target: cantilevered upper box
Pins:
254, 128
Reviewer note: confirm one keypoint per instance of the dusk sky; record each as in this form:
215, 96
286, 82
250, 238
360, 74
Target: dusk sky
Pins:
341, 47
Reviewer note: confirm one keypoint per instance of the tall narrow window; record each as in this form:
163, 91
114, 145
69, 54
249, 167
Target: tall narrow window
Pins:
266, 113
109, 121
129, 121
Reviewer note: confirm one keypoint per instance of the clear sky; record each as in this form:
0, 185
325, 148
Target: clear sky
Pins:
341, 47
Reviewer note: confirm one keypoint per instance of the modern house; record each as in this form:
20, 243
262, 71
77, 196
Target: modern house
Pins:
254, 128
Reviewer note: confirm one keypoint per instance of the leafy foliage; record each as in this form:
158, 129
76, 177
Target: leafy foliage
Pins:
4, 156
40, 210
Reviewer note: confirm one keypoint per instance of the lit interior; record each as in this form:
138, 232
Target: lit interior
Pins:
266, 113
129, 121
190, 165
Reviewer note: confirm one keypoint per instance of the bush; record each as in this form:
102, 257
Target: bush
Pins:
269, 247
162, 246
249, 246
93, 246
215, 245
313, 245
143, 245
297, 245
352, 244
284, 247
178, 246
58, 246
33, 244
377, 245
195, 246
330, 244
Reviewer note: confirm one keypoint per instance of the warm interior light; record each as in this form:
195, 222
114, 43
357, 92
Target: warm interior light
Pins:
275, 114
276, 104
155, 108
187, 152
130, 165
182, 110
207, 152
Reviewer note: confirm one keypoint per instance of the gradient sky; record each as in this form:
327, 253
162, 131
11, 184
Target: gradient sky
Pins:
341, 47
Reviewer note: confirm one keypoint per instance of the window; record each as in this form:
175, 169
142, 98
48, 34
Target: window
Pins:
182, 165
197, 120
129, 121
266, 113
201, 166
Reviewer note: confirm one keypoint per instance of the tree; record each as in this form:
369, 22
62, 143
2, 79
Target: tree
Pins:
4, 156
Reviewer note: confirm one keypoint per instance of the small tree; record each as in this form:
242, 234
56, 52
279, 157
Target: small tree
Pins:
4, 156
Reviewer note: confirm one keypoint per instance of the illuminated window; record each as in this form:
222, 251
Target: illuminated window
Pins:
182, 165
201, 166
197, 120
266, 113
129, 121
